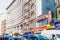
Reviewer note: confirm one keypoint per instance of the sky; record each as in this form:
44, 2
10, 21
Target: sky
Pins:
3, 5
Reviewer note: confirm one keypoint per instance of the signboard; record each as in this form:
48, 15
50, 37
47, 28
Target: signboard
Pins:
45, 16
49, 27
39, 29
41, 17
57, 25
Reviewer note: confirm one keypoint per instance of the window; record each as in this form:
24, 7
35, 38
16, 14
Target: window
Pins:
47, 0
17, 26
31, 28
59, 2
47, 8
44, 22
28, 16
33, 38
59, 12
33, 23
44, 38
58, 35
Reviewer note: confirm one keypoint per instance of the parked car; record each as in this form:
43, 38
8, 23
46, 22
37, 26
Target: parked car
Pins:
18, 37
32, 36
7, 37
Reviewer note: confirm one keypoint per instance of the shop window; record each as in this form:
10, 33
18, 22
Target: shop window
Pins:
45, 22
59, 2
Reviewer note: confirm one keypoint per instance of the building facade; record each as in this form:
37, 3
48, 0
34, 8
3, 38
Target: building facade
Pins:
3, 27
29, 15
44, 7
24, 13
14, 14
57, 2
32, 9
44, 19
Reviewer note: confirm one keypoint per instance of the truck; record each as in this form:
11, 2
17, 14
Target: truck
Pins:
51, 34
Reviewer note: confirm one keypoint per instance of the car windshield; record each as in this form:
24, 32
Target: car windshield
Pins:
17, 39
25, 39
44, 38
58, 35
32, 38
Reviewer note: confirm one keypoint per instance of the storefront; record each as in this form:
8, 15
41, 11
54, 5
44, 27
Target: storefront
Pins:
44, 19
39, 29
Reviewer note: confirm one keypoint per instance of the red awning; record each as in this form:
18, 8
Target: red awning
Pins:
40, 28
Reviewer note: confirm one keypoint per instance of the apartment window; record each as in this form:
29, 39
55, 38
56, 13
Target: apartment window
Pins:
44, 22
27, 23
28, 15
17, 26
59, 2
47, 0
21, 26
14, 27
47, 8
33, 23
27, 0
59, 11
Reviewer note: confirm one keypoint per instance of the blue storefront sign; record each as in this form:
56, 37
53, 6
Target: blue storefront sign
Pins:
57, 25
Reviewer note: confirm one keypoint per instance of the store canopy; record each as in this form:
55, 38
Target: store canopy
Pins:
44, 27
39, 29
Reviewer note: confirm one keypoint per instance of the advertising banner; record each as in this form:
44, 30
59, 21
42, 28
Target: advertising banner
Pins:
57, 25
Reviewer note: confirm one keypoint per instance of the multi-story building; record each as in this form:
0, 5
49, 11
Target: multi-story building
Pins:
3, 27
43, 13
57, 5
32, 9
14, 12
29, 15
26, 12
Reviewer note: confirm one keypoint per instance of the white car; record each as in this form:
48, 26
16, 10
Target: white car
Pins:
51, 34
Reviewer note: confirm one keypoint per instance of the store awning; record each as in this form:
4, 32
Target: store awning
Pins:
39, 29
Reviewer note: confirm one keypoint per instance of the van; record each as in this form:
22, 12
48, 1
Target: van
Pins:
51, 34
